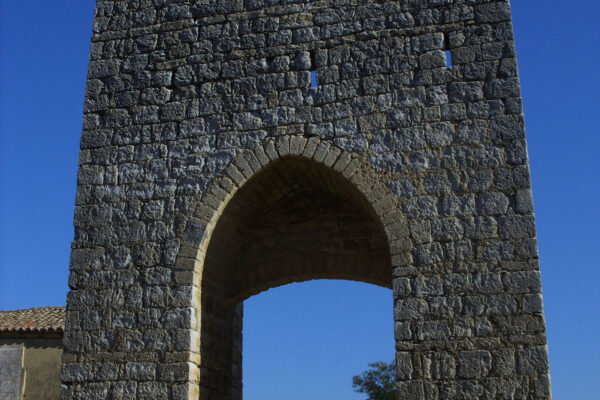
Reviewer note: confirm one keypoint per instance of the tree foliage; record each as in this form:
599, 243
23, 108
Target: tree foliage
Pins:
378, 382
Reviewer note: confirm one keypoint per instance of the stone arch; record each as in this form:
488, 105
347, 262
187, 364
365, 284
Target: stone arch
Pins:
291, 209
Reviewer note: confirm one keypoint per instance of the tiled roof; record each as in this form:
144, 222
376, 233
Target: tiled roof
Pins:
38, 319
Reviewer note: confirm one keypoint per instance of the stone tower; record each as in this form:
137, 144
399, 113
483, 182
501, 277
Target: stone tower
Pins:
231, 146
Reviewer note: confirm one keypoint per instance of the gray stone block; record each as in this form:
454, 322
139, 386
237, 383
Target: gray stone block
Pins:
474, 364
533, 360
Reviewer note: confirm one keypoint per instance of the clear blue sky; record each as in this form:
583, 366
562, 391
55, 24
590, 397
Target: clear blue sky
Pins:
292, 346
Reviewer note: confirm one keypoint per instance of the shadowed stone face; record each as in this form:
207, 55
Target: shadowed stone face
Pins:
232, 146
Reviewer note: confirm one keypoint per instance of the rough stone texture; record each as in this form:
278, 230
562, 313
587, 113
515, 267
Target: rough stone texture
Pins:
11, 372
211, 170
34, 372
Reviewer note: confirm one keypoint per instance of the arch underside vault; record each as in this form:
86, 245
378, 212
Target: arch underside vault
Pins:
295, 220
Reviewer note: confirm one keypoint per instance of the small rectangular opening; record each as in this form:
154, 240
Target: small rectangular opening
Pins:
448, 58
447, 51
313, 79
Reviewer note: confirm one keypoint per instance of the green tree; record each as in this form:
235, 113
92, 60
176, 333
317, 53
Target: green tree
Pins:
378, 382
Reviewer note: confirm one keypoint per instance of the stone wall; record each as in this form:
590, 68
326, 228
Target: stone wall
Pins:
11, 372
36, 369
208, 158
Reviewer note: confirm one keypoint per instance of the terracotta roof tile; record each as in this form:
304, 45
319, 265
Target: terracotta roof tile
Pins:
38, 319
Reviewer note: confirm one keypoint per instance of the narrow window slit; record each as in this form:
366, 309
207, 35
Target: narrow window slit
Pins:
447, 51
313, 79
448, 58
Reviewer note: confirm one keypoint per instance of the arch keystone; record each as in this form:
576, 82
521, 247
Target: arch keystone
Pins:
311, 147
297, 144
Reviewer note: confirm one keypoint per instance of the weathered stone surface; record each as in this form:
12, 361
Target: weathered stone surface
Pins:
533, 360
11, 373
474, 364
202, 132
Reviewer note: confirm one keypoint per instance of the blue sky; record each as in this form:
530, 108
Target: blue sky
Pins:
292, 346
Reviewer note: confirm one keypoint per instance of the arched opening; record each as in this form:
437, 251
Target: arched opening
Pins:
293, 221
